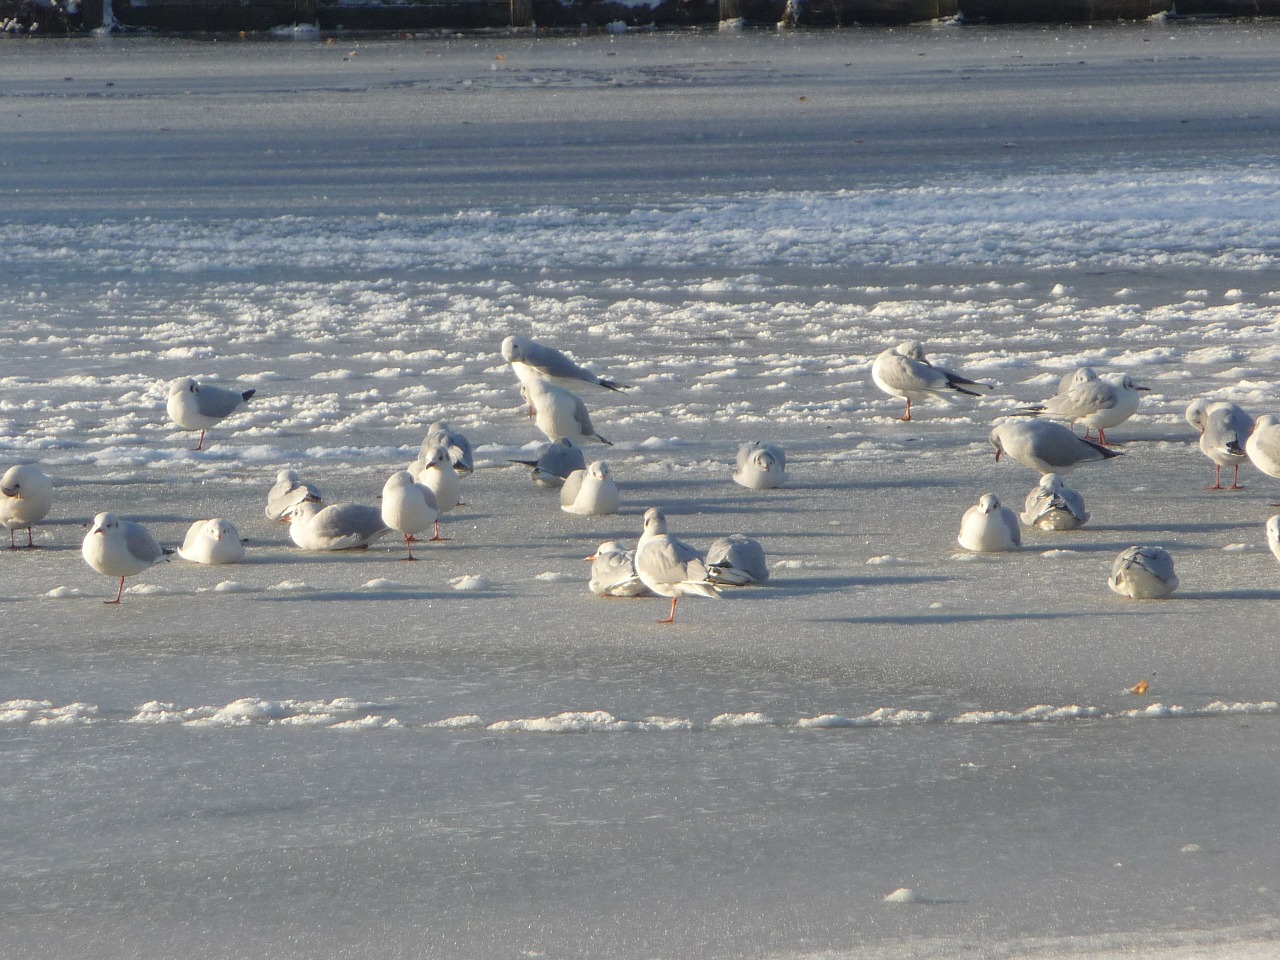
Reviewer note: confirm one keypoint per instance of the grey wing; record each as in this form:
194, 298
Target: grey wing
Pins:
349, 520
1062, 448
1157, 561
216, 402
910, 376
562, 458
667, 560
583, 419
140, 543
572, 484
738, 559
962, 384
1072, 503
460, 452
550, 362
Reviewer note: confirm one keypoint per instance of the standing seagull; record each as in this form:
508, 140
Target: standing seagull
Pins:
1045, 446
1099, 404
561, 413
903, 371
120, 548
988, 527
408, 507
439, 476
761, 466
26, 495
1224, 430
1143, 573
670, 567
535, 361
288, 492
195, 407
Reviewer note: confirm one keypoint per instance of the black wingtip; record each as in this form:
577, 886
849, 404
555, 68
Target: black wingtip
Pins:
247, 394
614, 385
1107, 452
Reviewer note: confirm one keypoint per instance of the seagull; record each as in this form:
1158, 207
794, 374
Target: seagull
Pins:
195, 407
561, 413
1046, 446
613, 572
120, 548
761, 466
1273, 535
903, 371
670, 567
1075, 377
535, 361
459, 447
438, 476
341, 526
591, 492
26, 495
1054, 506
1143, 573
1224, 430
408, 506
1263, 445
1099, 404
736, 561
988, 527
555, 461
212, 541
287, 492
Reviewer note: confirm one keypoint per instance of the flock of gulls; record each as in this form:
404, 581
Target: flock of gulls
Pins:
413, 500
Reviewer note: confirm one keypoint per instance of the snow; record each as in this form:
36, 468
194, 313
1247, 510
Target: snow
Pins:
340, 754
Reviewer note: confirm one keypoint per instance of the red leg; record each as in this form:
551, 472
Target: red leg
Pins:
436, 538
119, 594
408, 545
1235, 481
1217, 477
671, 617
200, 445
906, 416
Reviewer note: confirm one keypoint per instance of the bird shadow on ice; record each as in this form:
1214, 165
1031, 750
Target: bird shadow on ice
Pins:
811, 585
945, 619
1227, 595
378, 595
1168, 528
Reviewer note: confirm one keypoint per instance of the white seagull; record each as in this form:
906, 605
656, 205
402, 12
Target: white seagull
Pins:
26, 495
341, 526
670, 567
1045, 445
408, 506
440, 434
555, 461
120, 548
536, 361
194, 406
1263, 445
212, 541
903, 371
613, 572
1143, 573
287, 492
560, 412
1077, 376
988, 527
1052, 505
1273, 535
736, 561
760, 466
1099, 404
1224, 430
439, 476
591, 492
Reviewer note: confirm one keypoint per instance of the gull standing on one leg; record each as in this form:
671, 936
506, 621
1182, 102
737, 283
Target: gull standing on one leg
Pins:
903, 371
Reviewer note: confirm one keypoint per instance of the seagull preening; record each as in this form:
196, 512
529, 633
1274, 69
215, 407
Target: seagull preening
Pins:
1052, 505
1143, 573
560, 413
440, 434
670, 567
195, 406
989, 527
1224, 430
26, 495
1045, 445
288, 492
213, 541
1100, 403
903, 371
120, 548
760, 466
536, 361
737, 561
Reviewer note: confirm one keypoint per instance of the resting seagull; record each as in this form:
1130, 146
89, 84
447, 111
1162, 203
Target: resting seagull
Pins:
194, 406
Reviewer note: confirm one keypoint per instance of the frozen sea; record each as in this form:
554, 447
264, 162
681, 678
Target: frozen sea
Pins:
346, 756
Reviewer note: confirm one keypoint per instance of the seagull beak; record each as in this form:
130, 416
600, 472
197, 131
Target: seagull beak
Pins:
590, 559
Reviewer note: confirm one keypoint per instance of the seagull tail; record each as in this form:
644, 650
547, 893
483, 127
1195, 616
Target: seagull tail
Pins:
247, 394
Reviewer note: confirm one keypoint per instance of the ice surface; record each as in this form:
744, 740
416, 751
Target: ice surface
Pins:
343, 755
